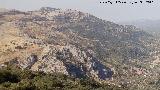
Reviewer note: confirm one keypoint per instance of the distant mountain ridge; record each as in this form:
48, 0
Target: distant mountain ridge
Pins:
3, 10
147, 25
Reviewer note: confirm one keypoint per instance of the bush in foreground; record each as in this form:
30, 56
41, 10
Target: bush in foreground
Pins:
12, 78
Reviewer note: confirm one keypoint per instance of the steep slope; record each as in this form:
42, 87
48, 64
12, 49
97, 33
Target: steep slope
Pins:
79, 45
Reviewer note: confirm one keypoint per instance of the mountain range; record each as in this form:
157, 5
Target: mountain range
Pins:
151, 26
80, 45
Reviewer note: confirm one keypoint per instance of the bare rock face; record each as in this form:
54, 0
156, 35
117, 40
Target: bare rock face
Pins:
72, 61
31, 60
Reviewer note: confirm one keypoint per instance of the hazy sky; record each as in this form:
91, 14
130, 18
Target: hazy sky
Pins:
115, 12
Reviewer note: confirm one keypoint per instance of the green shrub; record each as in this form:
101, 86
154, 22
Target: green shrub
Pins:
12, 78
7, 76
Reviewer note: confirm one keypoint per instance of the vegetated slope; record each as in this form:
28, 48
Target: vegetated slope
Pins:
12, 78
79, 45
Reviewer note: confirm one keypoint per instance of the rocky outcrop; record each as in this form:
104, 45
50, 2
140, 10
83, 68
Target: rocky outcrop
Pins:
31, 60
74, 62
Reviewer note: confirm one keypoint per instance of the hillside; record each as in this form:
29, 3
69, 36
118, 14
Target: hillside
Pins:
79, 45
12, 78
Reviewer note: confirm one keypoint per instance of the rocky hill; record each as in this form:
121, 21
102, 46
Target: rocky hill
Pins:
79, 45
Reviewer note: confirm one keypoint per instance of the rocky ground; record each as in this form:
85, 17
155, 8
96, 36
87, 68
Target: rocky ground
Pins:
79, 45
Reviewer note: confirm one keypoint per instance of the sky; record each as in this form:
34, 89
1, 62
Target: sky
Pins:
111, 12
